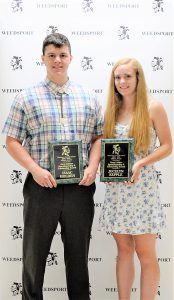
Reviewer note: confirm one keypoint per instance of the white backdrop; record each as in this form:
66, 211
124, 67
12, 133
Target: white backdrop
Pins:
100, 32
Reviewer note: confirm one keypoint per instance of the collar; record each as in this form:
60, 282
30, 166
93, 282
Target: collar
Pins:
56, 89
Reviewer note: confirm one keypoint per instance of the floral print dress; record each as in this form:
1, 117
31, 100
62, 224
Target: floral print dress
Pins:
133, 209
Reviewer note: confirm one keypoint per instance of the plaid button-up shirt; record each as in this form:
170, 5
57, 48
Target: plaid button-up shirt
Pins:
47, 112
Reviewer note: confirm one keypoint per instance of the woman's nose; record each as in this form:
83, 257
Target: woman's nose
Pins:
122, 79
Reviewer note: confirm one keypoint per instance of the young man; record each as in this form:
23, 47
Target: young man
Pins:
55, 110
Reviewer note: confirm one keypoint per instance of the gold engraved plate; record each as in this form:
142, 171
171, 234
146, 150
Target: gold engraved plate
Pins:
66, 161
117, 157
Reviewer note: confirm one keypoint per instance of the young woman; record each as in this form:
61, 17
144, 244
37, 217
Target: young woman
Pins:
132, 210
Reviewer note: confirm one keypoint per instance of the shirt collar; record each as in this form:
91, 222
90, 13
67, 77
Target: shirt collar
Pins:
56, 89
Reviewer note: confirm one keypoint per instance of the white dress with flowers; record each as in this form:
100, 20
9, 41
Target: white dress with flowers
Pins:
133, 209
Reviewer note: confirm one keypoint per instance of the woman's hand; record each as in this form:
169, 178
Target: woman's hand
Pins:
135, 172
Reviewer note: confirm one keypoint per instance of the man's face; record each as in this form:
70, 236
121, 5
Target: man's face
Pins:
56, 61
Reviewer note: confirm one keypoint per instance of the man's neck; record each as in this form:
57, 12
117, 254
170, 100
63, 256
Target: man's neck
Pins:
58, 80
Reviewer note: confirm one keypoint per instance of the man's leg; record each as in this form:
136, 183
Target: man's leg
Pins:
76, 222
42, 207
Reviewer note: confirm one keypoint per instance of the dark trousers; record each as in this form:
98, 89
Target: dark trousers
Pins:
73, 207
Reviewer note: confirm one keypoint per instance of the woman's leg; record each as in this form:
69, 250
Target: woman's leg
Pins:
146, 251
125, 265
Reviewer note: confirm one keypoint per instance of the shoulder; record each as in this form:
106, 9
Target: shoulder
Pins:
26, 94
155, 107
157, 113
82, 90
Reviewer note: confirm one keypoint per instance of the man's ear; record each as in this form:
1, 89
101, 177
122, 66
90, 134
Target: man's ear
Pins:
42, 58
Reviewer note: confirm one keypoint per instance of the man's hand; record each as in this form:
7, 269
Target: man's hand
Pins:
43, 177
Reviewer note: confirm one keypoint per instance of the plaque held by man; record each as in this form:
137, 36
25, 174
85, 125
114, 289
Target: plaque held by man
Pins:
117, 156
66, 161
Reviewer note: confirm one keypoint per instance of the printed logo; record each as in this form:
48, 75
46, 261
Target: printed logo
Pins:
52, 259
98, 204
157, 6
16, 176
86, 63
52, 5
87, 6
65, 151
16, 232
128, 5
160, 91
12, 259
98, 91
16, 288
159, 236
166, 205
108, 232
12, 204
158, 33
18, 33
8, 91
52, 29
115, 289
16, 5
159, 176
123, 32
16, 63
116, 149
110, 63
84, 33
94, 259
164, 259
157, 63
90, 293
55, 289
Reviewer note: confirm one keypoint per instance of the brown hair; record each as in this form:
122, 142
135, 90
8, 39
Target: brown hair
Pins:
57, 39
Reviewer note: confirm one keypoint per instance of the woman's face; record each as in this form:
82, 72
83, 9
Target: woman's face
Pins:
125, 80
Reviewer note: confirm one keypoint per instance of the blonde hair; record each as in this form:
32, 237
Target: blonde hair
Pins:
140, 125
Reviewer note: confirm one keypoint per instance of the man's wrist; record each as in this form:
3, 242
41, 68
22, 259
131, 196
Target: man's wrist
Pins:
33, 168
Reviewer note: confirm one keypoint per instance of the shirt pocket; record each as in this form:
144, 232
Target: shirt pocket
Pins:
38, 119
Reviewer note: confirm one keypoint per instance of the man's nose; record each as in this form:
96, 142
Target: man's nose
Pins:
57, 58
